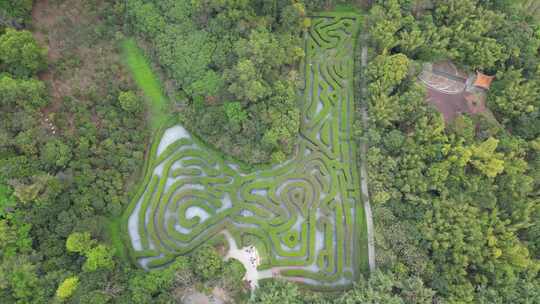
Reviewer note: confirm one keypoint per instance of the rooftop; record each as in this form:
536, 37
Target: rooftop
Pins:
483, 81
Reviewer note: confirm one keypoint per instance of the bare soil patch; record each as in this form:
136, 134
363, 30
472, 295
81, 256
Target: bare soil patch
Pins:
452, 105
81, 52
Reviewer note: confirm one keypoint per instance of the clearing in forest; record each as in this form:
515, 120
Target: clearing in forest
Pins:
453, 92
305, 216
147, 81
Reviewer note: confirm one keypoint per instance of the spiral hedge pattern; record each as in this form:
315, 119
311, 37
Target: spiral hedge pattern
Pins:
305, 216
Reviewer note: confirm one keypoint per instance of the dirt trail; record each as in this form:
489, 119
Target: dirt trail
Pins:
43, 18
363, 158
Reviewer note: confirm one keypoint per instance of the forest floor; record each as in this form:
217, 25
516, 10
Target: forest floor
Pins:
44, 20
80, 57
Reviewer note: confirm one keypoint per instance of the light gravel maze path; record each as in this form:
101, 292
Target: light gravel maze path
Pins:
305, 216
364, 150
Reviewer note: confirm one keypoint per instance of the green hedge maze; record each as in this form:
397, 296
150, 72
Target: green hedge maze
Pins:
305, 216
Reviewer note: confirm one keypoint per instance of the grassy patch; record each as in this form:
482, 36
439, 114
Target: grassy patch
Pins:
116, 238
347, 8
147, 81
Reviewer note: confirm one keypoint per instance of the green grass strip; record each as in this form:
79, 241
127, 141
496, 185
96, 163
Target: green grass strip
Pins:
116, 238
147, 81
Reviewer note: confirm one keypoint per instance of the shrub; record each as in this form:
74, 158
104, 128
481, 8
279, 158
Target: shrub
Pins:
67, 288
234, 112
206, 262
100, 256
27, 93
145, 286
234, 271
277, 291
56, 154
130, 102
79, 242
20, 54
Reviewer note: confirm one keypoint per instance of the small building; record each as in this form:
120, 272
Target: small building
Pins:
483, 81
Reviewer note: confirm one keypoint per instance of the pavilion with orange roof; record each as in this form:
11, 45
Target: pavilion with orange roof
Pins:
483, 81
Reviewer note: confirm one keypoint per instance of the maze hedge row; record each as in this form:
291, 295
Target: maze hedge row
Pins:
305, 216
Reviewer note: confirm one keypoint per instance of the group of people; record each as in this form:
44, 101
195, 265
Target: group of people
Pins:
253, 257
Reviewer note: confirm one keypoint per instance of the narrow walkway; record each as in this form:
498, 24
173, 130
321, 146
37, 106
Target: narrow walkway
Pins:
364, 151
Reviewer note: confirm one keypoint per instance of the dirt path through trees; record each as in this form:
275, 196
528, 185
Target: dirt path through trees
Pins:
363, 155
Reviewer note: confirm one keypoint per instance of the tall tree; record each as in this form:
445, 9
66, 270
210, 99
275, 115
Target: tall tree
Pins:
20, 54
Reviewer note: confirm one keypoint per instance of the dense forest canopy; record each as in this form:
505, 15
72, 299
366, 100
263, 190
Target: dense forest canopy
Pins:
235, 70
456, 204
463, 198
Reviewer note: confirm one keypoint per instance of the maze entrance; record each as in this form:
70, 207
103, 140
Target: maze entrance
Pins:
305, 216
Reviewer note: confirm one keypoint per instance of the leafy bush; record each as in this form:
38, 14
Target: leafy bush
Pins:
277, 291
206, 262
18, 10
98, 257
29, 94
234, 112
145, 286
56, 154
20, 54
130, 102
67, 288
79, 242
234, 271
